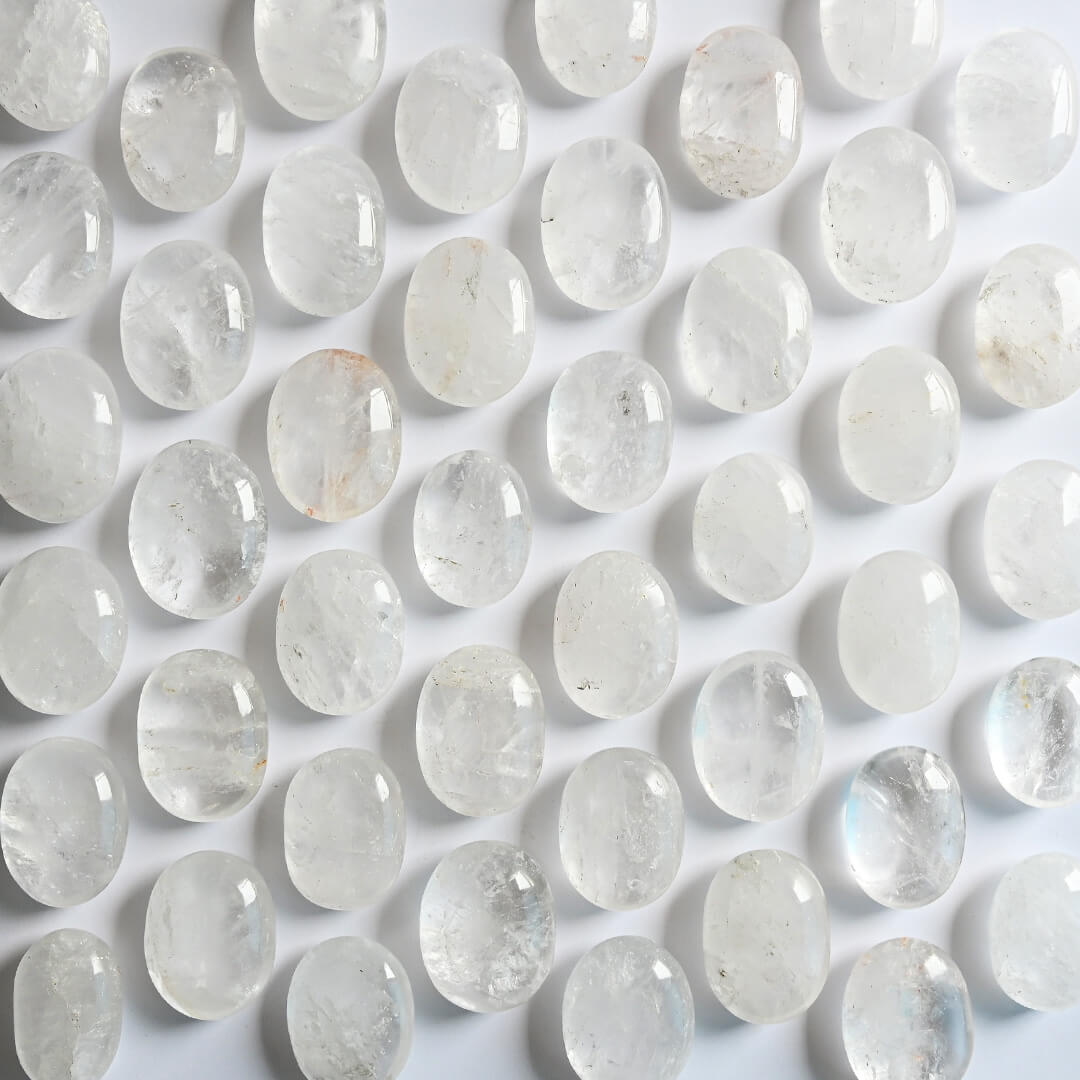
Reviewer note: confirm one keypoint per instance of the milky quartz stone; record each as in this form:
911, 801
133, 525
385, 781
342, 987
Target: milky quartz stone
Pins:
60, 433
766, 937
63, 630
621, 827
628, 1012
334, 434
182, 129
741, 112
605, 223
63, 821
461, 129
758, 736
616, 634
609, 431
56, 235
187, 324
898, 631
202, 735
197, 530
210, 934
487, 926
350, 1011
470, 322
340, 632
907, 1014
888, 215
324, 230
1016, 110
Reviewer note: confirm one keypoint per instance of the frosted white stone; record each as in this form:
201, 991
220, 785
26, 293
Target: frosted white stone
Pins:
616, 634
63, 821
203, 734
766, 936
324, 230
210, 934
63, 630
605, 223
461, 129
469, 322
197, 530
333, 432
340, 632
627, 1012
621, 826
888, 215
758, 736
898, 631
60, 434
487, 926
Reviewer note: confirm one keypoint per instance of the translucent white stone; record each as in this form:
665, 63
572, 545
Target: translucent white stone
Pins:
621, 826
753, 530
197, 530
63, 630
1016, 110
616, 634
63, 821
766, 936
605, 223
461, 129
187, 324
68, 1007
469, 322
203, 734
60, 433
324, 230
898, 631
182, 129
350, 1011
892, 186
334, 434
741, 111
322, 59
907, 1014
340, 632
210, 934
899, 425
487, 926
56, 235
758, 736
627, 1012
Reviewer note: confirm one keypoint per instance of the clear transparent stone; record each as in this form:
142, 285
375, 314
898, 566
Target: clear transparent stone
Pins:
203, 735
894, 186
63, 821
210, 934
197, 530
605, 223
766, 937
616, 634
487, 926
621, 826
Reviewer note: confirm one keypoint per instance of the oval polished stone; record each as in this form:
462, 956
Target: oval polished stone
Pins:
898, 631
616, 634
63, 821
621, 827
892, 185
324, 230
741, 112
766, 937
605, 223
333, 432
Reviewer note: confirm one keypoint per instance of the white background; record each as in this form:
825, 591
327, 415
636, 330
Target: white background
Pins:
526, 1042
